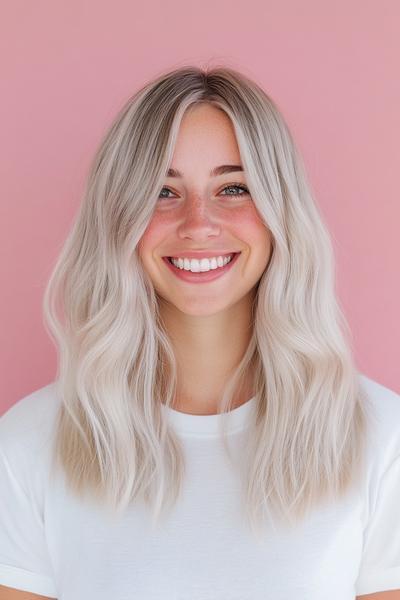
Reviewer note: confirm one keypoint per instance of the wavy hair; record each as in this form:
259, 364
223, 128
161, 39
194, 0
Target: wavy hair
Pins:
116, 365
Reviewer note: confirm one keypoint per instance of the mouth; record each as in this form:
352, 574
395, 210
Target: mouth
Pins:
231, 255
201, 276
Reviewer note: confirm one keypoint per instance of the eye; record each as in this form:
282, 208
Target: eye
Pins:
237, 186
168, 190
232, 186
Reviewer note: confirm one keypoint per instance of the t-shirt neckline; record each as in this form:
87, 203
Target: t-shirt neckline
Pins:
189, 424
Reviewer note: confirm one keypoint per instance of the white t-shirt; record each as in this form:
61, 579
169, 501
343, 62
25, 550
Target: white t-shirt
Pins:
53, 545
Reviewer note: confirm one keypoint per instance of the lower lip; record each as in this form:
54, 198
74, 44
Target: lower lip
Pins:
201, 277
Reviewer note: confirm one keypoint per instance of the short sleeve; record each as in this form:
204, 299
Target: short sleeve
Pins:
24, 560
380, 563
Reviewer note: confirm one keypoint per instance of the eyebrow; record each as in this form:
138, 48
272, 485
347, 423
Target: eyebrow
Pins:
221, 170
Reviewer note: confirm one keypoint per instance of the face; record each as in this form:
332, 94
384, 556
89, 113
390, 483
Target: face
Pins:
203, 212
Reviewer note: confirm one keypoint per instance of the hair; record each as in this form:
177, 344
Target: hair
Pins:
116, 365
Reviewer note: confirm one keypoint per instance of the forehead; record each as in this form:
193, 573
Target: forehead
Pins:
206, 134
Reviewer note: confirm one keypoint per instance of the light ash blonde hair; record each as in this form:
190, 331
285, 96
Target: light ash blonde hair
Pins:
116, 364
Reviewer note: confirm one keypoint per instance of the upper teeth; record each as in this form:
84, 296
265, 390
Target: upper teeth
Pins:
205, 264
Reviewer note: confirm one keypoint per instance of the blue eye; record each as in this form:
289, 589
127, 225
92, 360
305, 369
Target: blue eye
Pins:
238, 186
168, 190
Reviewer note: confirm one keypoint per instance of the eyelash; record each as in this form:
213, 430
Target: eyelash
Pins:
231, 185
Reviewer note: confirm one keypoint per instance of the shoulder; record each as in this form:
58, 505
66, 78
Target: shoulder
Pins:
383, 397
384, 411
383, 448
29, 423
378, 568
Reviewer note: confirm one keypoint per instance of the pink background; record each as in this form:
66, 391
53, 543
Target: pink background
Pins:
332, 67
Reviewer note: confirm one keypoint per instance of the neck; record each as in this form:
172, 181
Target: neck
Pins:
207, 350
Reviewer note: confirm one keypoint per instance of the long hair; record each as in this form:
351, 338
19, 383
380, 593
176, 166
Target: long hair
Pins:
116, 365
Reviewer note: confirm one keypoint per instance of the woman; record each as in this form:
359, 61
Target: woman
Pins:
208, 434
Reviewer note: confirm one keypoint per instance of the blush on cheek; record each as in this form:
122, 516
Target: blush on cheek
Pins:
247, 220
159, 224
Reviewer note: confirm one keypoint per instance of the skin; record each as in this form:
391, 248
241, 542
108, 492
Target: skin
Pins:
209, 323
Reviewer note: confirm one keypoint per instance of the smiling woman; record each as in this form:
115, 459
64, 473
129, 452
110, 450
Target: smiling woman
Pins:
208, 434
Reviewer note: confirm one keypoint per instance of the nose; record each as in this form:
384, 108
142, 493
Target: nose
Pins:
198, 223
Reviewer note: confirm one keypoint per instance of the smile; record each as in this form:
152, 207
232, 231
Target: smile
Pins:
212, 269
201, 265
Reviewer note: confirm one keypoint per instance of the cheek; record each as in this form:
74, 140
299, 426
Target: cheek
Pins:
256, 233
153, 235
248, 221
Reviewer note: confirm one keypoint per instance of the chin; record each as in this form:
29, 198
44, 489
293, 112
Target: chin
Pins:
203, 307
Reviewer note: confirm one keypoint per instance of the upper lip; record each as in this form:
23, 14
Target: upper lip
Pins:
200, 254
